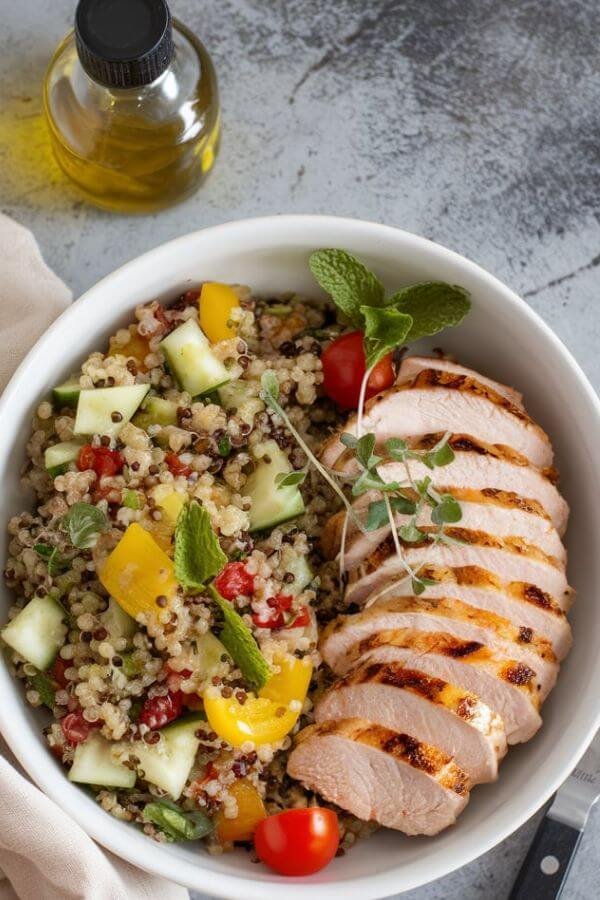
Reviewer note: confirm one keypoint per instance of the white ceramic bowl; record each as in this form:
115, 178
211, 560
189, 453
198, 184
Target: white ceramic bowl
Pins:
504, 338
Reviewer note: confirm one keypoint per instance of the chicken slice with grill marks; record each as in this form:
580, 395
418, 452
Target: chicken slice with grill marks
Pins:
500, 513
507, 686
510, 559
445, 614
438, 712
443, 401
412, 365
380, 775
494, 470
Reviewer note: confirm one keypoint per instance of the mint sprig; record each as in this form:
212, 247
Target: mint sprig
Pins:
84, 524
412, 312
348, 282
239, 641
198, 555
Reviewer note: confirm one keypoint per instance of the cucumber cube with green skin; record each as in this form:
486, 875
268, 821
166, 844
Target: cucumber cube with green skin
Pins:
67, 393
168, 763
207, 658
117, 622
37, 632
271, 504
94, 763
156, 411
191, 360
97, 409
298, 566
58, 456
242, 396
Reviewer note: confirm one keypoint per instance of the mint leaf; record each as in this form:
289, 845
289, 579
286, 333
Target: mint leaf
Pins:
433, 305
198, 554
385, 329
348, 282
175, 823
224, 446
84, 523
446, 512
289, 479
239, 641
41, 683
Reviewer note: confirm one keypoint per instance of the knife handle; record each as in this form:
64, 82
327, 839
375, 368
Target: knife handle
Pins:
546, 866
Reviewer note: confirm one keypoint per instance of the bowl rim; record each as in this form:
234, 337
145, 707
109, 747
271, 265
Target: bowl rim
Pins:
34, 757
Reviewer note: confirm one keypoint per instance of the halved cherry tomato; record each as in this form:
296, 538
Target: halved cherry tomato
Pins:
298, 841
344, 367
235, 579
176, 466
102, 460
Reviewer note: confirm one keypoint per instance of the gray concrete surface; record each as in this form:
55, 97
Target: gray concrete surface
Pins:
474, 122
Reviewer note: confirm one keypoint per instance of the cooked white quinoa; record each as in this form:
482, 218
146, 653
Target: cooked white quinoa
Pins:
106, 680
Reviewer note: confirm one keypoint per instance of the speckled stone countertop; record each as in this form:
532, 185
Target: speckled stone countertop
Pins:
473, 122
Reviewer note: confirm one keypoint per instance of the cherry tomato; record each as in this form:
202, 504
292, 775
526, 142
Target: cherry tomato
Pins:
176, 466
159, 711
344, 367
76, 729
298, 841
101, 459
234, 580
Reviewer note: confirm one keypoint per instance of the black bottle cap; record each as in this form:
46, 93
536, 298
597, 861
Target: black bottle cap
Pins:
124, 43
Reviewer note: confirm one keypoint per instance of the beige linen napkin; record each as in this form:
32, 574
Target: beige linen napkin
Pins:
44, 855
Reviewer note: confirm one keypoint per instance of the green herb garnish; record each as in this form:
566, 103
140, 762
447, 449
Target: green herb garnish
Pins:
290, 479
176, 824
238, 640
44, 685
198, 555
411, 313
224, 446
84, 524
55, 562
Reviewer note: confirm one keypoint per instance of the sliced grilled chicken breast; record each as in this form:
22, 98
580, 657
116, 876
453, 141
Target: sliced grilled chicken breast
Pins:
477, 466
380, 775
526, 606
506, 686
504, 515
412, 365
403, 699
444, 614
442, 401
510, 559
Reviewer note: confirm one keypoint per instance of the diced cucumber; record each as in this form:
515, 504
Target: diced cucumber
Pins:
209, 651
58, 456
117, 622
156, 411
37, 632
67, 393
242, 396
95, 408
271, 504
299, 568
194, 365
168, 763
94, 763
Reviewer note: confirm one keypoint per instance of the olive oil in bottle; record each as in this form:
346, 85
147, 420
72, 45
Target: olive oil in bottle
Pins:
132, 105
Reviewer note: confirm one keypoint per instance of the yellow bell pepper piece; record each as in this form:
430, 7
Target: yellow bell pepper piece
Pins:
170, 503
137, 346
251, 811
137, 572
217, 301
267, 718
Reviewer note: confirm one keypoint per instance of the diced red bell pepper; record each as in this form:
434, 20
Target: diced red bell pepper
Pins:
234, 580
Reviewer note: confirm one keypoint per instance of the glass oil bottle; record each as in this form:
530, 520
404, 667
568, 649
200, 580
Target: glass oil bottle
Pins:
132, 104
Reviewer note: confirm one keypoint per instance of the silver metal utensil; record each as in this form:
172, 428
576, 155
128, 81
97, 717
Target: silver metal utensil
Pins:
544, 872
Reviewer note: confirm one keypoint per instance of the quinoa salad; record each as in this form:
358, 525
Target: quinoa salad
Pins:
121, 666
199, 497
